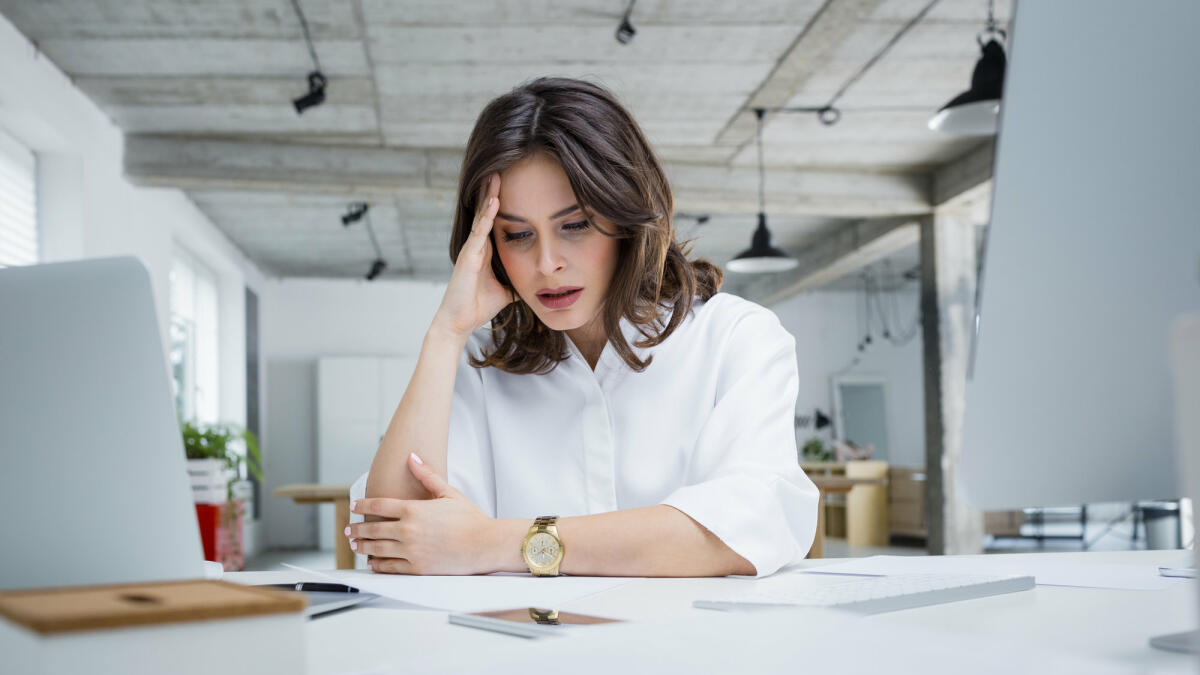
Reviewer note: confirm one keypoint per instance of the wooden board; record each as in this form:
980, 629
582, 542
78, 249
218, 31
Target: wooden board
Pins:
61, 610
307, 493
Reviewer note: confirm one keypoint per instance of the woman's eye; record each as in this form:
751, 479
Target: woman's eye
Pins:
569, 227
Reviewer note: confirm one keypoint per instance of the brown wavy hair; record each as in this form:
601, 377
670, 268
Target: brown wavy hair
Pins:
613, 172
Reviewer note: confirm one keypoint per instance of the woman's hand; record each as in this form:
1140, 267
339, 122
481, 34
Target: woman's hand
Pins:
443, 535
474, 295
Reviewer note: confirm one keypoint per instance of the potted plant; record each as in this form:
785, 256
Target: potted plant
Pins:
219, 444
814, 450
216, 456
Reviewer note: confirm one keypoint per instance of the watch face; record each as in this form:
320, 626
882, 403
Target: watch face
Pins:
541, 549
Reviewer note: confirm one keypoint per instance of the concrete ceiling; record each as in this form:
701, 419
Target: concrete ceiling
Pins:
203, 91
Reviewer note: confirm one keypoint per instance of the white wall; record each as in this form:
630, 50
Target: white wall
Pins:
86, 208
828, 326
306, 319
303, 320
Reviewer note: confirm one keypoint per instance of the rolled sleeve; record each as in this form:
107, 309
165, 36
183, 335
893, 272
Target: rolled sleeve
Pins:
744, 482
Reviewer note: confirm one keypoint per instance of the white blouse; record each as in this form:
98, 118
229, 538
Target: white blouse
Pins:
707, 428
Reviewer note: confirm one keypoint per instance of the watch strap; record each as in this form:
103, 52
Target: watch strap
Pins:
545, 524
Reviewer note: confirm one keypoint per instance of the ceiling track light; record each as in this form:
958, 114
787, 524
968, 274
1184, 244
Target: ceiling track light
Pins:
626, 31
354, 213
761, 256
315, 95
700, 218
377, 268
316, 79
818, 420
976, 111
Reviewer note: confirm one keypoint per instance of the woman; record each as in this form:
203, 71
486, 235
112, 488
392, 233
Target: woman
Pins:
614, 387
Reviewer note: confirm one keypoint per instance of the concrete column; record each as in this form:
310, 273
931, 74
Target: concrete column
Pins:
948, 276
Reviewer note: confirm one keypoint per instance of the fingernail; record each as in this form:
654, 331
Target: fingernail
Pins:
354, 546
490, 200
347, 530
354, 505
416, 458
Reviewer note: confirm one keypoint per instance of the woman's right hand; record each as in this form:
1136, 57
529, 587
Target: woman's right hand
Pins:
474, 295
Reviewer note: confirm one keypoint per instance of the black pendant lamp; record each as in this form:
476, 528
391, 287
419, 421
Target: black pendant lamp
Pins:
976, 112
761, 256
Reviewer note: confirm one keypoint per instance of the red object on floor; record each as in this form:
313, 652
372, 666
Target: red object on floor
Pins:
221, 533
209, 516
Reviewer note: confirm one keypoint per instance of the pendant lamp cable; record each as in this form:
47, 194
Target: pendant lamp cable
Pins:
762, 194
371, 234
307, 38
829, 114
991, 28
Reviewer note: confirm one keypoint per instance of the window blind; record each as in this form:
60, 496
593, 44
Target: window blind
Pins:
18, 204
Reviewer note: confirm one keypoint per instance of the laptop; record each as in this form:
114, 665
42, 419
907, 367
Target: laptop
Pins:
93, 484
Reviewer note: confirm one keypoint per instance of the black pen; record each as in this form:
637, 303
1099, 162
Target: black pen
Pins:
315, 587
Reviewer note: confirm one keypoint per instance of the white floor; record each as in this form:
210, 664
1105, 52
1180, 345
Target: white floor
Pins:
273, 560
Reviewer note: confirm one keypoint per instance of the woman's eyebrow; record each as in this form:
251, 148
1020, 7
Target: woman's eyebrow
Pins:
518, 219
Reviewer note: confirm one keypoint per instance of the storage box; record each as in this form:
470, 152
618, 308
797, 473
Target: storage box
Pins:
180, 627
906, 519
906, 484
906, 502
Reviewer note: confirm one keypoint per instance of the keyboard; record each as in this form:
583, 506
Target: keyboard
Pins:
868, 595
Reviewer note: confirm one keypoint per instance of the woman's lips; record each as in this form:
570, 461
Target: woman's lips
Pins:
560, 301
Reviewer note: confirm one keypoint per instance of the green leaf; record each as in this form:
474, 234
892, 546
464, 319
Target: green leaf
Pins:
219, 441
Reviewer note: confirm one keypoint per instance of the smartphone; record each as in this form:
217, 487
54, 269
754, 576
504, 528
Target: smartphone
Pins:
527, 622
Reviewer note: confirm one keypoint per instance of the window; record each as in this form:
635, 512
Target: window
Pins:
194, 364
18, 204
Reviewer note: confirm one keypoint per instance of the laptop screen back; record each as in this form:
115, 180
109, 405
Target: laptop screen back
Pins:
93, 480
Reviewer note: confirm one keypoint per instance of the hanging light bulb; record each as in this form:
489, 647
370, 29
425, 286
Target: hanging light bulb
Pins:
761, 256
976, 112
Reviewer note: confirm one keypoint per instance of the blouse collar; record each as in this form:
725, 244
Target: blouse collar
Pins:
609, 358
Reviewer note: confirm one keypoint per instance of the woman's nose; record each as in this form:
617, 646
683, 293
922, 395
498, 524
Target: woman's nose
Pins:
549, 259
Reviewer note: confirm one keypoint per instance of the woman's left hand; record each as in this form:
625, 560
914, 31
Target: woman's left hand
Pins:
442, 535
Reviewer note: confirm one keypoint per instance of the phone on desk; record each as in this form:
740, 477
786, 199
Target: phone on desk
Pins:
527, 622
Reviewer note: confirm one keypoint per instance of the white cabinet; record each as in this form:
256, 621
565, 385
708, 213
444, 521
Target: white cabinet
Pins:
356, 397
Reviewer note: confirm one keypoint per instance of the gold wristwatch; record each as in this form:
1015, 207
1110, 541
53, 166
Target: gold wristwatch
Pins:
542, 549
546, 617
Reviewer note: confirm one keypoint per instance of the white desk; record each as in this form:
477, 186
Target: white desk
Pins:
996, 634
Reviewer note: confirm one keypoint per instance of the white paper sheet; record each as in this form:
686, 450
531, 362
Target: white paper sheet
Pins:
473, 593
1047, 572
